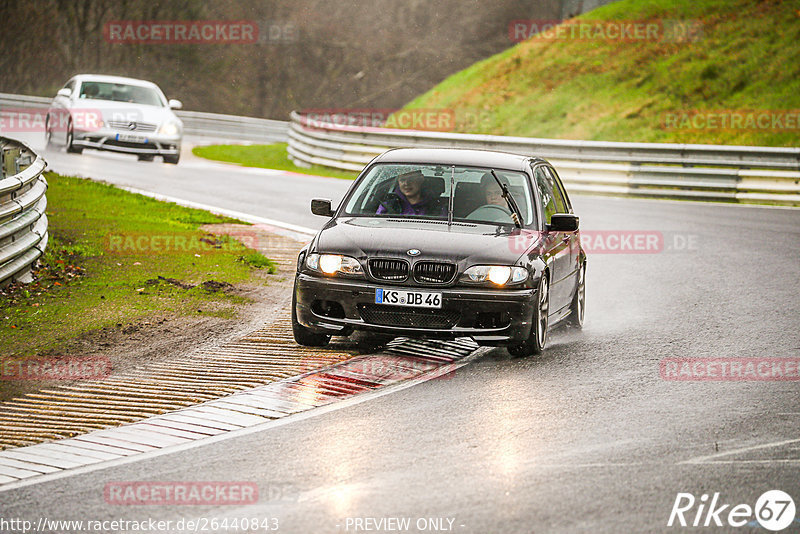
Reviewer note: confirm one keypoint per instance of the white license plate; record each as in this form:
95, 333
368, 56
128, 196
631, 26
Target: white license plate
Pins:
131, 138
401, 297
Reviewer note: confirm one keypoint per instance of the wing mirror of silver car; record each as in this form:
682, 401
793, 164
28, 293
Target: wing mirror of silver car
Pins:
321, 206
64, 91
175, 104
563, 222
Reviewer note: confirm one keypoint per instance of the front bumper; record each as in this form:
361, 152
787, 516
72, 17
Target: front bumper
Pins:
489, 316
107, 139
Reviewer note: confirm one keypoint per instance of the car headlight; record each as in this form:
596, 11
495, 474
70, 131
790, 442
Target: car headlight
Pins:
332, 264
499, 275
169, 128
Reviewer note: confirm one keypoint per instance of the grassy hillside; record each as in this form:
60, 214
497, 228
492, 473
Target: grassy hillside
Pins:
745, 60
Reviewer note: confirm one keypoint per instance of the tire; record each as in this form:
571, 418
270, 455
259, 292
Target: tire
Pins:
537, 339
302, 335
70, 137
145, 157
578, 306
48, 133
173, 159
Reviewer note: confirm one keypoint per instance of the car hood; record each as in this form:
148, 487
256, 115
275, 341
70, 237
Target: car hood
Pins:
126, 112
367, 237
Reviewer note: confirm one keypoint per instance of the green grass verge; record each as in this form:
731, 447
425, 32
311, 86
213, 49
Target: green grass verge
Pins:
595, 89
115, 258
266, 157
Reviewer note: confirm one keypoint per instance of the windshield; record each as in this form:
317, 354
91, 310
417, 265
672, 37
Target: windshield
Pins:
118, 92
424, 192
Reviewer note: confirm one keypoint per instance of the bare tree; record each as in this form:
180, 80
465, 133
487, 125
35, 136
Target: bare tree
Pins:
347, 53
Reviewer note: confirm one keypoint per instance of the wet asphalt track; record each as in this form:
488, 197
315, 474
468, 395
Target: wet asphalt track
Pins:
587, 438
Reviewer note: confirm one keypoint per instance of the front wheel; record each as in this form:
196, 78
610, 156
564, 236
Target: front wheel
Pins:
538, 337
48, 133
172, 159
72, 149
302, 335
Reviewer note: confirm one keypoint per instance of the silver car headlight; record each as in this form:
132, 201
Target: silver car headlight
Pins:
499, 275
333, 264
170, 128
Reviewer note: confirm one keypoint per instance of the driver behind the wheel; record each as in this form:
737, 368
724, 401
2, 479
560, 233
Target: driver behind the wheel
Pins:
411, 197
493, 194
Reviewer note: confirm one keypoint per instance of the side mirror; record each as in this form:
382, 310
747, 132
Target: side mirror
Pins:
563, 222
321, 206
64, 91
175, 104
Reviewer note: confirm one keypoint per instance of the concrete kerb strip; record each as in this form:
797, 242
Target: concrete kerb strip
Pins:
121, 437
299, 233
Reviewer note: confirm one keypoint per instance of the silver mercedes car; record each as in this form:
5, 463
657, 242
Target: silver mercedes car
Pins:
115, 113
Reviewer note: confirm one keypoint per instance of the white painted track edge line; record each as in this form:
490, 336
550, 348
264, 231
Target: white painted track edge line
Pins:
680, 201
710, 458
254, 219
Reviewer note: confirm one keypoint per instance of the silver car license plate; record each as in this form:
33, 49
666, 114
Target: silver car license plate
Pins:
131, 138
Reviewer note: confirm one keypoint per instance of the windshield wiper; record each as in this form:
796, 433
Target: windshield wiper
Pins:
512, 204
452, 194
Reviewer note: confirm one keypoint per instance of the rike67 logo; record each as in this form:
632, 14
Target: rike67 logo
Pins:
774, 510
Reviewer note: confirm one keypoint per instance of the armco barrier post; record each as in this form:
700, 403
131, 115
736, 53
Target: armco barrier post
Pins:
10, 157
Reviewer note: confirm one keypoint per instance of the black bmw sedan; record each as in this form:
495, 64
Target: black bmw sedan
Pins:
444, 243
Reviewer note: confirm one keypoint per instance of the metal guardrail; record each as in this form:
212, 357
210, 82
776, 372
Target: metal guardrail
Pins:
23, 223
700, 172
195, 123
233, 127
